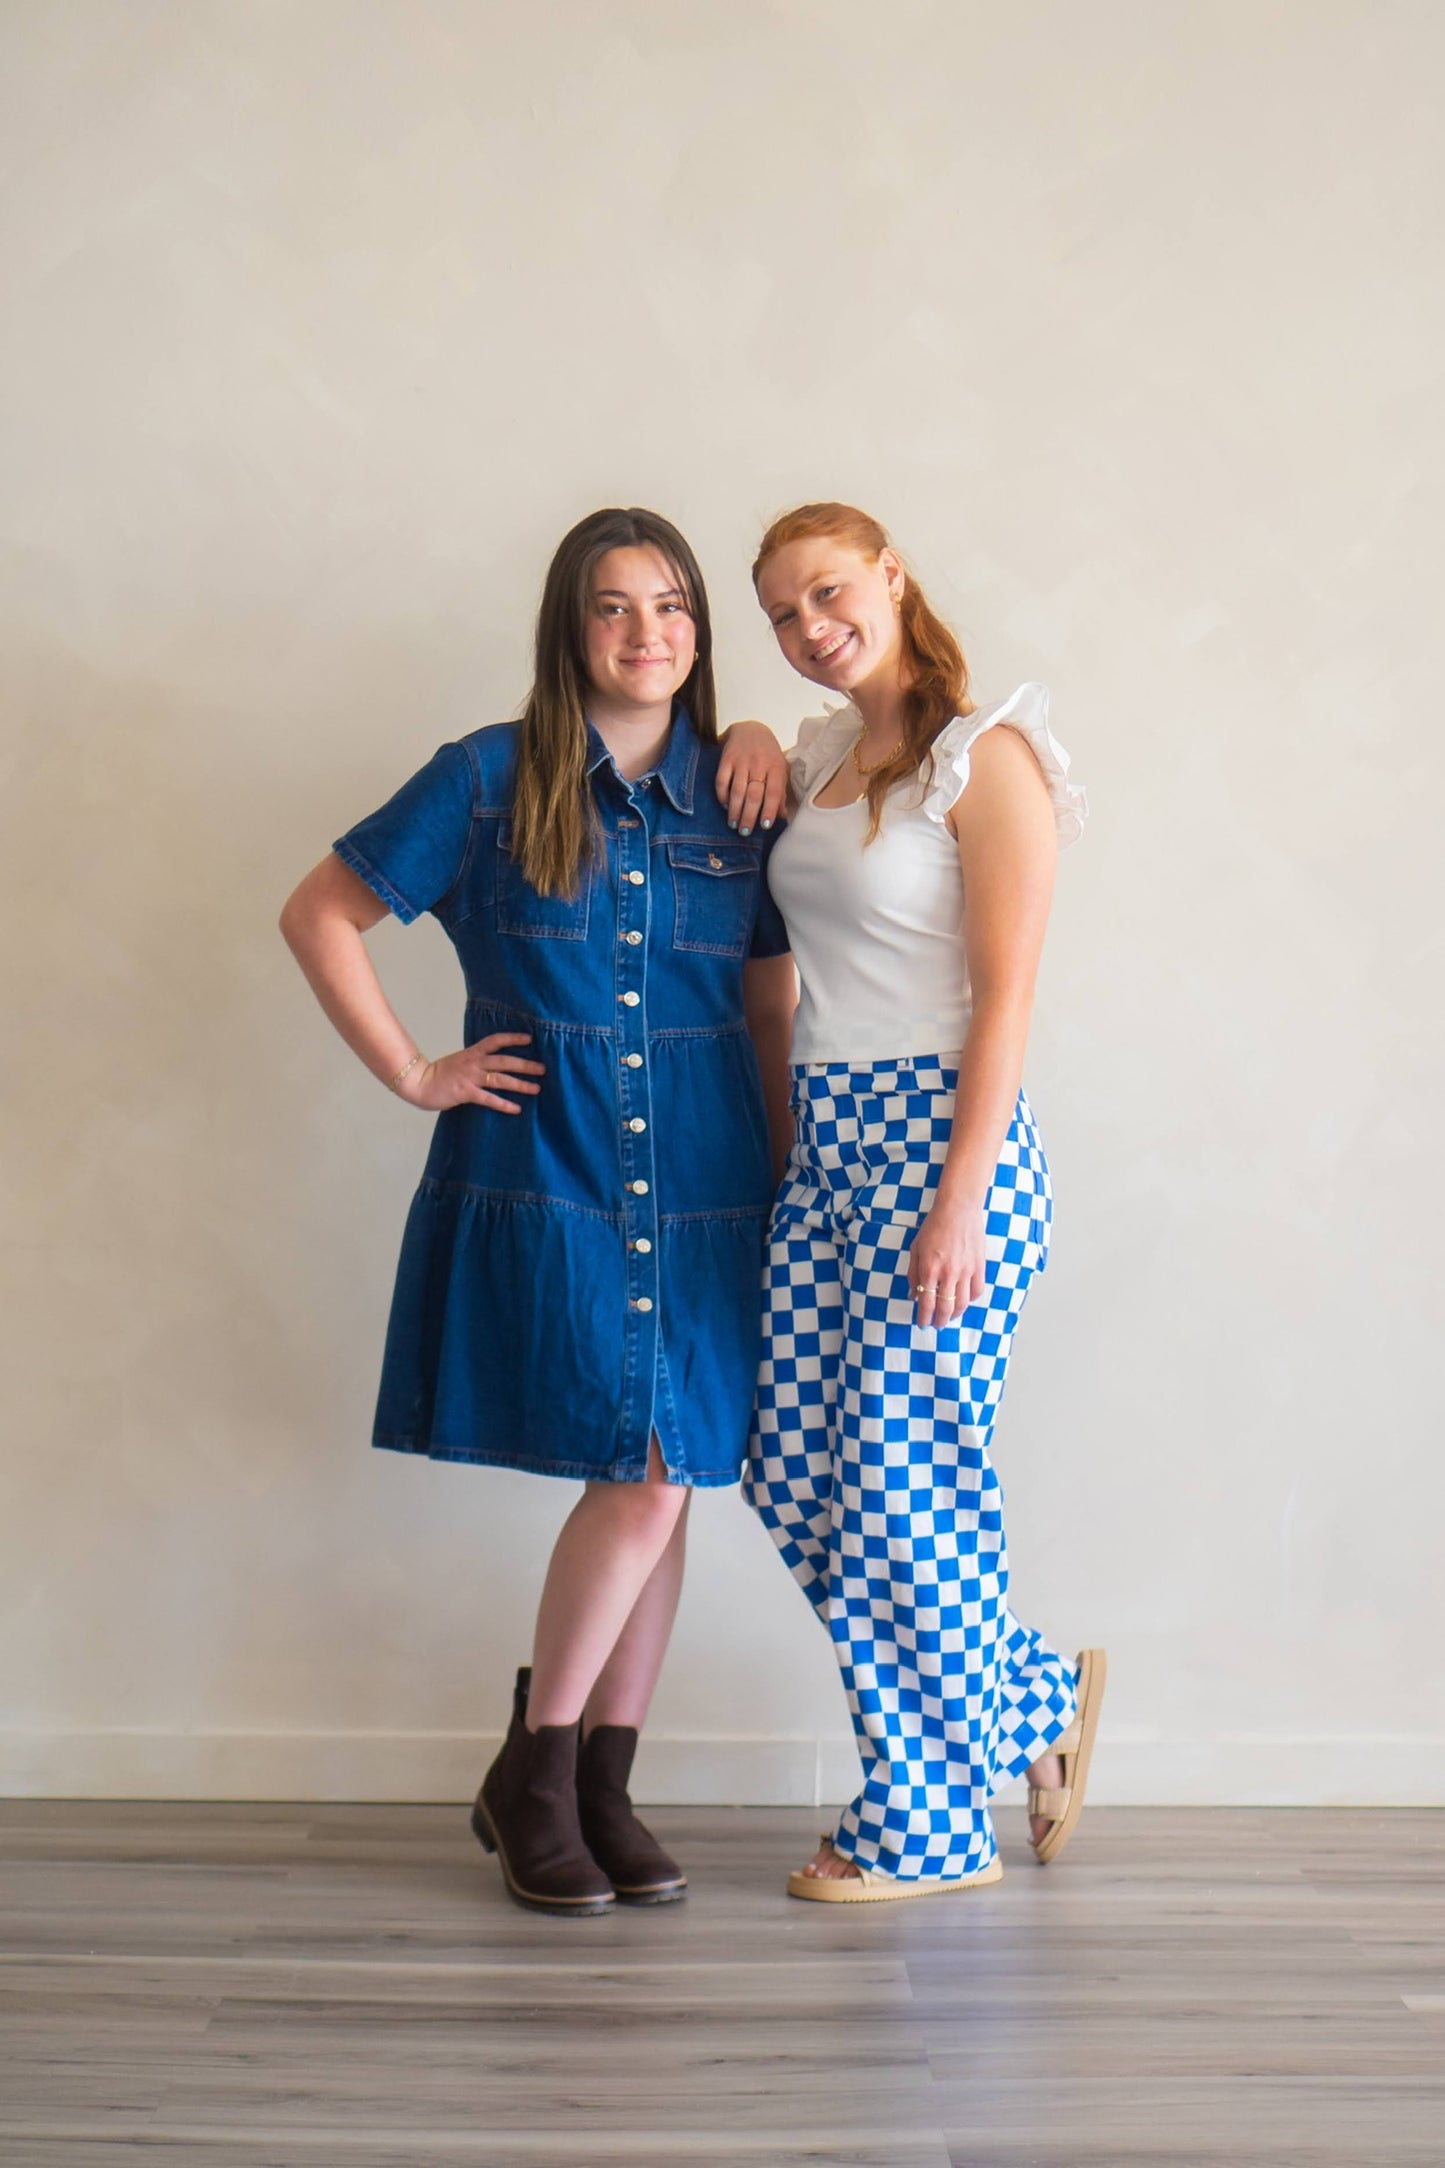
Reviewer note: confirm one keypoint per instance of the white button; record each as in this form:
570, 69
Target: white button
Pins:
643, 1302
637, 1125
630, 1001
644, 1245
637, 879
633, 1061
633, 939
638, 1189
713, 860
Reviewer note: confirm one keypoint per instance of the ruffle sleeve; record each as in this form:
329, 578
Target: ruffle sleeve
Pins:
821, 741
1026, 711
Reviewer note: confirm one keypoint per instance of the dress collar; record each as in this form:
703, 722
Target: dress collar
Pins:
677, 769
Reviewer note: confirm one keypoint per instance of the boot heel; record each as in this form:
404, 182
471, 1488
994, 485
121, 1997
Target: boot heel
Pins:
482, 1829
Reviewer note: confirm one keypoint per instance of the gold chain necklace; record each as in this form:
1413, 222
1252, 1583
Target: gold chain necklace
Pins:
873, 766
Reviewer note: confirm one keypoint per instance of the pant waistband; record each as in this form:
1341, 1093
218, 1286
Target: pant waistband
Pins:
907, 1073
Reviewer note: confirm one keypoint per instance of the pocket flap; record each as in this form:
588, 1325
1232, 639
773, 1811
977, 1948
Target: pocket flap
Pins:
718, 858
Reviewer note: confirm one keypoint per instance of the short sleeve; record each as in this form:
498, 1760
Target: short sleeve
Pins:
770, 935
410, 851
821, 738
1027, 712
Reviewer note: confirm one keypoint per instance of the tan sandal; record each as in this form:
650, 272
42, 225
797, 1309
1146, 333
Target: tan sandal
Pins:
1063, 1803
866, 1886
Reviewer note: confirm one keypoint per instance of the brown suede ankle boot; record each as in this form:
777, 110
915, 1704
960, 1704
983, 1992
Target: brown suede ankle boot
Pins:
635, 1863
526, 1812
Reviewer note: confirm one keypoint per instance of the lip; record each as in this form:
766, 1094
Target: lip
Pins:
825, 661
645, 662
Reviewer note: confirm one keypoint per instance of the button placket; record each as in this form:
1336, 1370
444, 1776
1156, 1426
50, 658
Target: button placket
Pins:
635, 1095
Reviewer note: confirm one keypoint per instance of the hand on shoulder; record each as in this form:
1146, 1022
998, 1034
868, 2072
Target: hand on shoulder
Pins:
752, 776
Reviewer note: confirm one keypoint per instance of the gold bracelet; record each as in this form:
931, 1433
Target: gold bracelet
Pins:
405, 1071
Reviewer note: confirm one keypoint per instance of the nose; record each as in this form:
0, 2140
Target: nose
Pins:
650, 628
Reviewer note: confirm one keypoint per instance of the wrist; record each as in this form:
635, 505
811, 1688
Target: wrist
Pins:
418, 1084
956, 1200
408, 1076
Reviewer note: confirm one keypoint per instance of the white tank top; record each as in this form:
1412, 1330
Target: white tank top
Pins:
877, 934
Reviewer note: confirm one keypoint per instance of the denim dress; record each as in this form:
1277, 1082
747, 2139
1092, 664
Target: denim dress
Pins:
584, 1274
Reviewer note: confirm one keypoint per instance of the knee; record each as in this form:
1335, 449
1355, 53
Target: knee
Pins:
647, 1511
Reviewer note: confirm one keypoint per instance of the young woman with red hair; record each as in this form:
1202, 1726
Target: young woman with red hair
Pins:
914, 878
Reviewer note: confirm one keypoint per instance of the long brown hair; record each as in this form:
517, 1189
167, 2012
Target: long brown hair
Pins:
935, 675
554, 821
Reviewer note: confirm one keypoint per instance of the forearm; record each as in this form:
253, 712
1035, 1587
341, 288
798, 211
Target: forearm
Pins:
990, 1074
772, 1042
770, 996
333, 956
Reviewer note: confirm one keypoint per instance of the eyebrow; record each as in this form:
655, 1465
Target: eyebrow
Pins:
822, 579
620, 594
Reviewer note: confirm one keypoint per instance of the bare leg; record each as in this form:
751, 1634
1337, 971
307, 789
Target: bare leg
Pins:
624, 1686
611, 1545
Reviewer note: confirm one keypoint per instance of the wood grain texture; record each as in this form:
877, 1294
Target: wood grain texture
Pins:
243, 1988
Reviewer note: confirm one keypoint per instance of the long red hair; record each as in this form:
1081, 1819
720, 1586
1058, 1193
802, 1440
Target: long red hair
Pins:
935, 675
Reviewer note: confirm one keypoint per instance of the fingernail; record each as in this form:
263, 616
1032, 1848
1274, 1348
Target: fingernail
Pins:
767, 824
732, 824
747, 831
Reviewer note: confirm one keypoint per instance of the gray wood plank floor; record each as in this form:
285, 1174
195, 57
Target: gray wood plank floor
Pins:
257, 1986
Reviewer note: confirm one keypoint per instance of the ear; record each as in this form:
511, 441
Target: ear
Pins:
891, 566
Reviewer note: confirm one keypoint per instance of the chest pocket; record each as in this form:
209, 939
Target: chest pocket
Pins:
715, 895
522, 911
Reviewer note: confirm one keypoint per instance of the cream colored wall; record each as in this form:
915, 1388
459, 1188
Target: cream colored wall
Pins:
326, 318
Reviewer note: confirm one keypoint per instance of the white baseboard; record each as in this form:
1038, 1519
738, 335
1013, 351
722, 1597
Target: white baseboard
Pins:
1130, 1769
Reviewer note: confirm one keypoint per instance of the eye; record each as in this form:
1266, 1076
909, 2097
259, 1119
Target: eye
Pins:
824, 592
784, 618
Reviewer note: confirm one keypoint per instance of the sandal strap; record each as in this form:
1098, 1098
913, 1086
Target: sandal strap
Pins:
1071, 1741
1052, 1800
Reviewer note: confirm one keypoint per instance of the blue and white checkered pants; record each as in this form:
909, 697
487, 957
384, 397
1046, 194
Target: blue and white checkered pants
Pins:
869, 1466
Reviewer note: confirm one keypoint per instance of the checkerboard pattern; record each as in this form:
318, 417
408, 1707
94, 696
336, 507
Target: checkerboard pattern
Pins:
869, 1465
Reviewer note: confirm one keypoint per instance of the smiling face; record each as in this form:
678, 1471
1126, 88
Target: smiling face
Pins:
641, 642
834, 611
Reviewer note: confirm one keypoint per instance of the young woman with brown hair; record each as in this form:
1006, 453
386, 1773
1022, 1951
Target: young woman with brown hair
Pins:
914, 879
578, 1286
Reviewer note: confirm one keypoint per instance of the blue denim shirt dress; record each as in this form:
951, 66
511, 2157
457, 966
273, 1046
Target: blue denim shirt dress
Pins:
584, 1273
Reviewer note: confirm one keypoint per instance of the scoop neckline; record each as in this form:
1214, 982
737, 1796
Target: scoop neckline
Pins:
811, 801
848, 804
824, 780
